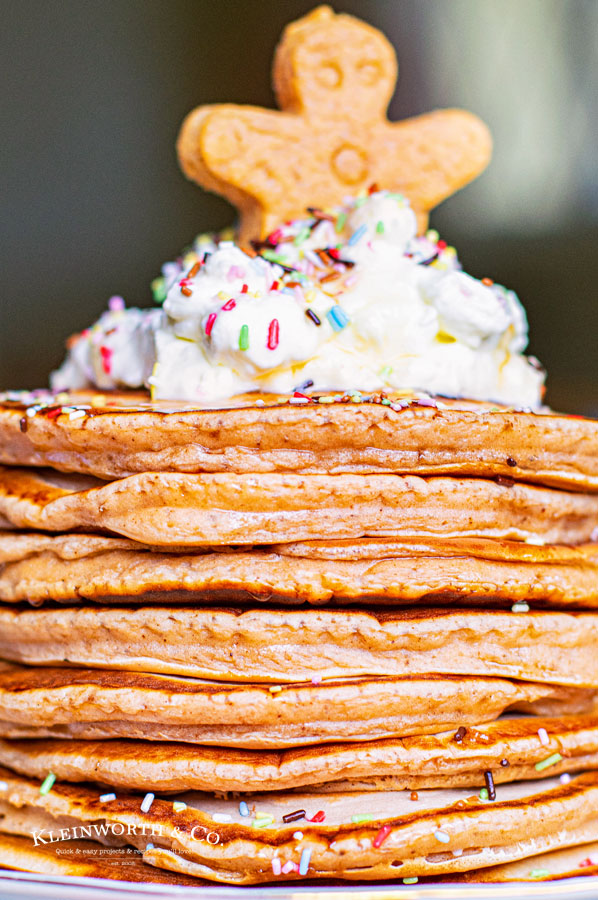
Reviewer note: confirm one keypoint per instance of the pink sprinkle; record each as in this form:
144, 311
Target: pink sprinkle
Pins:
273, 334
289, 867
381, 836
106, 354
235, 272
275, 237
210, 323
317, 679
276, 866
230, 304
116, 304
350, 281
301, 296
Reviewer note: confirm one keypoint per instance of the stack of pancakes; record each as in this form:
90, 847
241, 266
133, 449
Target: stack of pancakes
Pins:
343, 639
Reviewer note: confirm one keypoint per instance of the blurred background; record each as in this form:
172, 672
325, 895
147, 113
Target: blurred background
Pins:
94, 203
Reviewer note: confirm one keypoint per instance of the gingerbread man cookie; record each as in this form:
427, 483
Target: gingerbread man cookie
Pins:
333, 77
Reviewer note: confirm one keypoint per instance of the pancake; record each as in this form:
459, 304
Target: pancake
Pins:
278, 645
88, 859
97, 703
509, 748
82, 859
396, 838
173, 509
78, 567
123, 434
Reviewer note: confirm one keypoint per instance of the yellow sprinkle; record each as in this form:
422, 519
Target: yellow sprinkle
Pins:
222, 295
275, 689
310, 296
326, 400
190, 258
263, 815
62, 397
439, 265
99, 400
445, 338
449, 251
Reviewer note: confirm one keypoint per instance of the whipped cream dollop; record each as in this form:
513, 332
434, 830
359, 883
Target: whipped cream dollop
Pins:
344, 299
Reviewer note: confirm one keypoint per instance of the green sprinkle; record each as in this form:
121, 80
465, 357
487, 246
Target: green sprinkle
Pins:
410, 880
360, 201
364, 817
271, 256
158, 287
263, 822
244, 337
385, 402
539, 873
549, 761
385, 370
302, 236
484, 794
47, 784
340, 222
380, 227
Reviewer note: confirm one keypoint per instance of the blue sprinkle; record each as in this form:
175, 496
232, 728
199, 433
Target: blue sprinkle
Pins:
357, 235
338, 318
304, 861
243, 808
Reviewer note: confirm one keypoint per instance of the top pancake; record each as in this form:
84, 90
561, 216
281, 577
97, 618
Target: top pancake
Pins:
123, 434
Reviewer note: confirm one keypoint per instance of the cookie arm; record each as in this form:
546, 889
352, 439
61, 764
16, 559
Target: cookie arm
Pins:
430, 157
239, 152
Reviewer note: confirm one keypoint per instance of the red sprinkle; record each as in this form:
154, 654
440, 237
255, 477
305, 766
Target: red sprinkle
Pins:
299, 394
333, 252
210, 323
244, 289
230, 304
273, 334
441, 245
381, 836
106, 354
585, 863
274, 286
373, 188
320, 815
54, 412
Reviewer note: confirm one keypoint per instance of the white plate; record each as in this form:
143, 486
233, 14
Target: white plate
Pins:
23, 886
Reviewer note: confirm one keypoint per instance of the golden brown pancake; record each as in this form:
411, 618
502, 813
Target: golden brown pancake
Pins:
72, 568
126, 434
83, 859
396, 838
98, 703
509, 748
173, 509
282, 645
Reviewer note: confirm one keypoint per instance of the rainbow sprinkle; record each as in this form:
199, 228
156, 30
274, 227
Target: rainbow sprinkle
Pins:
47, 784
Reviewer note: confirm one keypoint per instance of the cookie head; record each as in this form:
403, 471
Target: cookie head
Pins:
329, 65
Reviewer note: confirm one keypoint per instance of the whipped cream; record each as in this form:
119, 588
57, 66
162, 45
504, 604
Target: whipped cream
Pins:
347, 299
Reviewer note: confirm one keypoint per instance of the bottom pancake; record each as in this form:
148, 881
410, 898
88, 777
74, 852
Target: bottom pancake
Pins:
89, 859
439, 833
97, 703
510, 749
